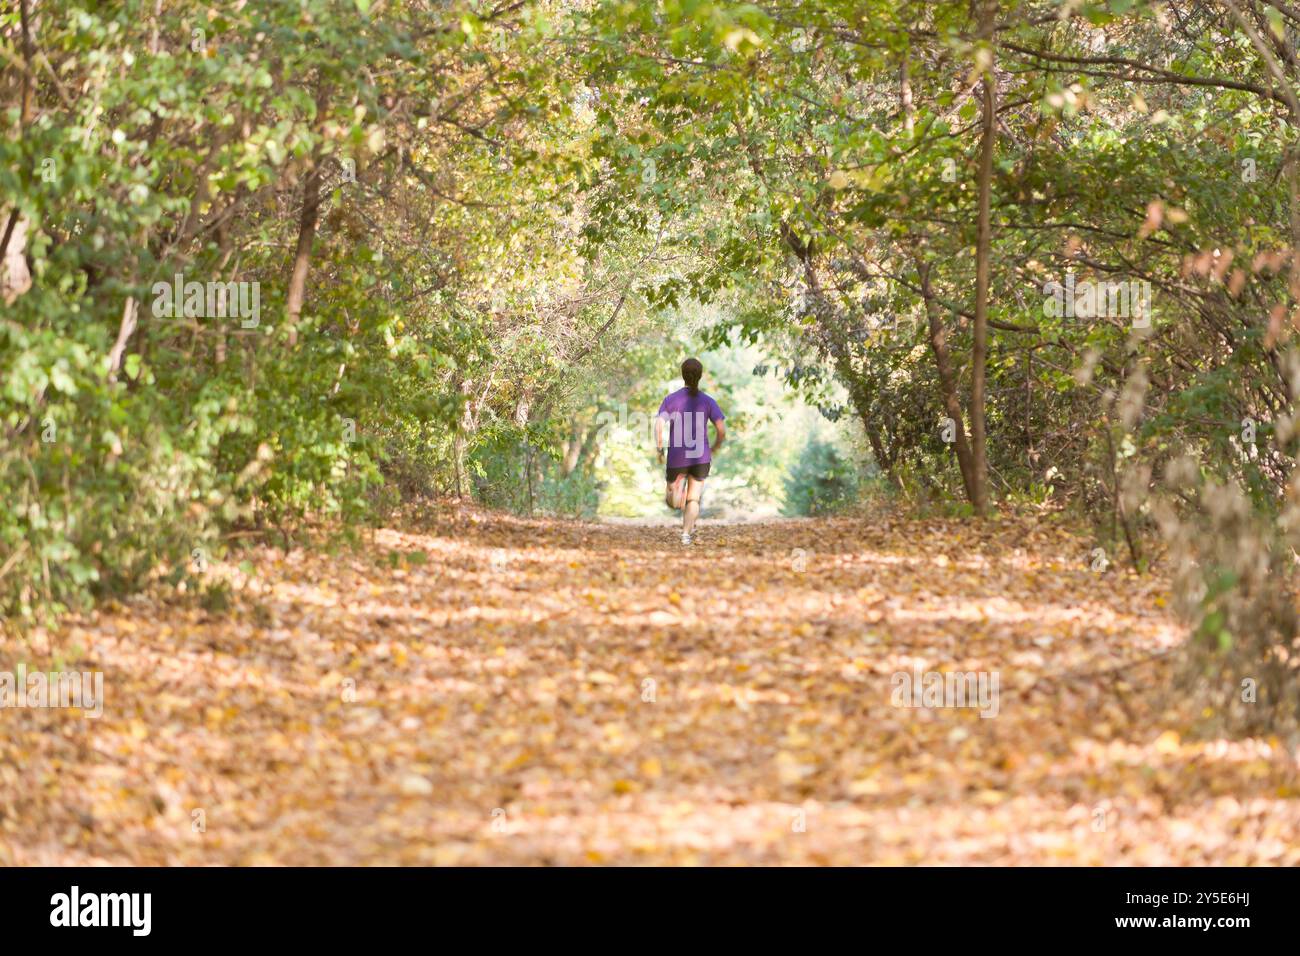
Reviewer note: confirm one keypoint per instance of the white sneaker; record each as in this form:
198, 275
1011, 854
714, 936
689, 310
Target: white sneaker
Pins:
686, 538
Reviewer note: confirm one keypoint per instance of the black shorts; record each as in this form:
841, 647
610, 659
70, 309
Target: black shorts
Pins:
700, 471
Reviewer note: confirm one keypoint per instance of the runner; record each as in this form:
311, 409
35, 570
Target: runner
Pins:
687, 412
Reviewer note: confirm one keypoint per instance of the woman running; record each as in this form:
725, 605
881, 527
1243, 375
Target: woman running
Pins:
686, 413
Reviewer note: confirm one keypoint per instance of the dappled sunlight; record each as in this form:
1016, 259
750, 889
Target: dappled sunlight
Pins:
538, 691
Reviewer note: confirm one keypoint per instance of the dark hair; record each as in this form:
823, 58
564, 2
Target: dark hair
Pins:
691, 372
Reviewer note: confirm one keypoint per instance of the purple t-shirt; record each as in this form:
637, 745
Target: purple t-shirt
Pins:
687, 417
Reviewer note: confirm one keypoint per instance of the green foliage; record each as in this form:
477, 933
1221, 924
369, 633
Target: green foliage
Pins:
823, 480
163, 141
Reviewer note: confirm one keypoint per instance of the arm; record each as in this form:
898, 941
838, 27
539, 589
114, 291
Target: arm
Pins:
721, 432
659, 436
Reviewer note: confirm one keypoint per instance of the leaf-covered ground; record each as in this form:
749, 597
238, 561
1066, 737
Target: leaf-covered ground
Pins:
478, 692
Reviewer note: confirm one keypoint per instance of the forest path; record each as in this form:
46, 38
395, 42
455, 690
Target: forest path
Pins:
500, 690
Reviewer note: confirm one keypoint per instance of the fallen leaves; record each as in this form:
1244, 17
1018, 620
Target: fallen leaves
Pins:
537, 692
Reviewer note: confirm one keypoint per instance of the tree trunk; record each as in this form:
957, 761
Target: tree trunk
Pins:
15, 277
458, 461
590, 448
572, 449
27, 104
129, 313
947, 381
883, 460
860, 397
905, 96
983, 244
579, 448
306, 229
843, 366
302, 255
466, 427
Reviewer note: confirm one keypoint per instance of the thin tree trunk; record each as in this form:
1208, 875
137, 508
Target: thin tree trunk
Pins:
843, 366
528, 464
460, 442
27, 106
458, 461
590, 447
883, 461
15, 277
983, 245
947, 379
306, 230
302, 255
572, 448
860, 397
905, 96
127, 326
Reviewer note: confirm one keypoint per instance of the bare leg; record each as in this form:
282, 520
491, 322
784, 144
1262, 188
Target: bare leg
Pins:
694, 489
675, 493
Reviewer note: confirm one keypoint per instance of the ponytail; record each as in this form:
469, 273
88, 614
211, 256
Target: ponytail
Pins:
691, 372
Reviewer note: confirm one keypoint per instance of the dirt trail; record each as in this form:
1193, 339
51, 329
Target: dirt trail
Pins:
494, 690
